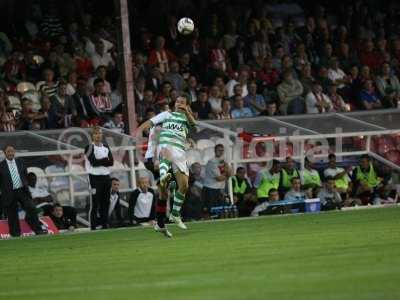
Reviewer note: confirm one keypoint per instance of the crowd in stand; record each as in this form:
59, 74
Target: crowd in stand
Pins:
243, 60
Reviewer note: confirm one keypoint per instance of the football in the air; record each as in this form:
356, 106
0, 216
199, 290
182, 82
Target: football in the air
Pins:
185, 26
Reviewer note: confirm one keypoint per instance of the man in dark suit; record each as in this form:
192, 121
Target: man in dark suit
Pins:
82, 102
14, 190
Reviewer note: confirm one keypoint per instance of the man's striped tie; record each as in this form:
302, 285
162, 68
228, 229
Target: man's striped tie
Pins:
16, 179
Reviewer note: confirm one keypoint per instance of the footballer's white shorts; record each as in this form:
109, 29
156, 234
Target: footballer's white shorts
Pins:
176, 156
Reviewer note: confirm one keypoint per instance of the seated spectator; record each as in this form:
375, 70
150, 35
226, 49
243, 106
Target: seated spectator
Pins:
164, 97
310, 179
316, 101
239, 111
40, 195
338, 104
368, 180
368, 97
253, 100
101, 57
215, 101
99, 100
64, 60
220, 83
142, 203
243, 197
336, 75
82, 102
306, 78
226, 110
290, 91
329, 197
7, 118
193, 206
342, 180
63, 106
326, 56
388, 84
14, 69
301, 57
295, 193
202, 108
241, 82
192, 88
49, 87
218, 55
322, 78
187, 67
61, 219
176, 79
84, 66
115, 203
72, 83
267, 179
143, 106
268, 75
288, 172
217, 173
154, 79
101, 73
368, 55
28, 119
116, 124
49, 119
262, 209
160, 57
272, 109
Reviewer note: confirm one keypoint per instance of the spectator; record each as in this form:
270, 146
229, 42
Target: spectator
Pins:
192, 88
154, 79
139, 87
243, 197
14, 69
173, 76
240, 111
217, 173
329, 197
61, 219
115, 207
388, 83
336, 75
101, 57
49, 87
40, 195
368, 98
64, 61
28, 118
160, 57
288, 172
253, 100
310, 179
368, 56
63, 106
193, 206
226, 110
272, 109
323, 78
301, 57
342, 179
100, 101
295, 193
84, 66
84, 110
72, 83
290, 91
306, 79
7, 118
368, 180
116, 124
267, 180
164, 97
143, 106
277, 58
220, 83
338, 104
317, 101
101, 73
242, 82
186, 66
239, 54
202, 108
142, 203
215, 101
326, 56
52, 64
262, 209
268, 75
218, 56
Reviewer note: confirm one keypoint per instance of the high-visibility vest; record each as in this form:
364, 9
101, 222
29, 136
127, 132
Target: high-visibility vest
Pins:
287, 178
370, 178
239, 189
267, 184
311, 178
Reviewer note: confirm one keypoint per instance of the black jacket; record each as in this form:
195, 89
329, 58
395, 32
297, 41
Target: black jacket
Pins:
105, 162
6, 185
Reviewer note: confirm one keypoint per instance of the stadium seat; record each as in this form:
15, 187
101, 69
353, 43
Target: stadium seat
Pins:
118, 172
34, 96
204, 144
193, 156
57, 184
80, 182
41, 179
25, 86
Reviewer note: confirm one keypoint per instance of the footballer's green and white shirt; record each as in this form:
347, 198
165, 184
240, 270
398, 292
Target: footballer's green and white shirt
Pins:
174, 129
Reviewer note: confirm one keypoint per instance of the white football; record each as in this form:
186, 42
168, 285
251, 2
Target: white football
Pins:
185, 26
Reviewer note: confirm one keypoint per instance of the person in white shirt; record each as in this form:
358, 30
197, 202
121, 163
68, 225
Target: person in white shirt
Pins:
101, 57
342, 180
337, 75
142, 203
242, 81
98, 160
316, 101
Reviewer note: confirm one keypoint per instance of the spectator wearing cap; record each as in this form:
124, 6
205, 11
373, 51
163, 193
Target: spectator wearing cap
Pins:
290, 91
253, 100
99, 100
316, 101
368, 98
202, 108
240, 111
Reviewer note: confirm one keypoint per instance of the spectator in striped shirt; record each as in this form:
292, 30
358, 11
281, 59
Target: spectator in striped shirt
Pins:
49, 87
7, 119
99, 100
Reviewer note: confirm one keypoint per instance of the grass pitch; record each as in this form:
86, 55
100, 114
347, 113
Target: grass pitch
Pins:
339, 255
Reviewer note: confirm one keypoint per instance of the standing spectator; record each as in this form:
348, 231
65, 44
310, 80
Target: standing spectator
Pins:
242, 193
329, 197
202, 108
290, 91
100, 101
317, 101
173, 76
116, 124
368, 97
216, 175
50, 86
226, 110
267, 180
160, 57
288, 172
7, 119
63, 106
215, 101
98, 160
14, 188
253, 100
240, 111
142, 203
295, 193
100, 57
342, 179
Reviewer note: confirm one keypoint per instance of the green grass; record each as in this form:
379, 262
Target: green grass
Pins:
348, 255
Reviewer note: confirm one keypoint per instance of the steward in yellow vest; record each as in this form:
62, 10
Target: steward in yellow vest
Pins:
268, 179
244, 199
287, 174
